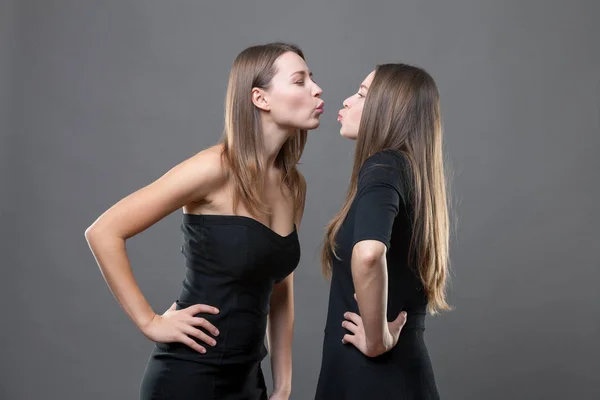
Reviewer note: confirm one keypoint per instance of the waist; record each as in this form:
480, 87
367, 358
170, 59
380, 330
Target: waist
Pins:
410, 350
414, 322
228, 297
240, 340
253, 323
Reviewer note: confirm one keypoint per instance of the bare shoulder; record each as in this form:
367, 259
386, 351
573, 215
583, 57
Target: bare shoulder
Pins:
209, 160
189, 181
206, 168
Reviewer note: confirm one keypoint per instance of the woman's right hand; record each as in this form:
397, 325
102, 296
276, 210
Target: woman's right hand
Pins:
178, 325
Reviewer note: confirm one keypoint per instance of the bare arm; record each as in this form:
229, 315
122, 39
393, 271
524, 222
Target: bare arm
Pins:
369, 273
280, 335
377, 204
280, 329
191, 180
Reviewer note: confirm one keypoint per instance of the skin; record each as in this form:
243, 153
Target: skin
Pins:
370, 332
351, 114
200, 185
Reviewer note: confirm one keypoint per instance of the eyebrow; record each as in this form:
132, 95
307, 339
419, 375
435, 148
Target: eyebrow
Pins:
363, 87
302, 73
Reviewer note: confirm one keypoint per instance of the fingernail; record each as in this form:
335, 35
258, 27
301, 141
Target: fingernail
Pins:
216, 333
403, 313
202, 351
213, 343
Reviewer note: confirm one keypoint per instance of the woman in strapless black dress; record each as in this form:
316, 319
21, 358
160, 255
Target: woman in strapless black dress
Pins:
388, 244
243, 201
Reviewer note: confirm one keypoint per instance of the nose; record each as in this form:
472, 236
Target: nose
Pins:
345, 103
318, 91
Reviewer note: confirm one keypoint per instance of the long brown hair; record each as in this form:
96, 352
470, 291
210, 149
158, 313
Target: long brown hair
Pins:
243, 147
402, 112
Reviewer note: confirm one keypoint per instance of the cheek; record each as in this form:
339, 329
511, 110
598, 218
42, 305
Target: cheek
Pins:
300, 101
355, 114
291, 103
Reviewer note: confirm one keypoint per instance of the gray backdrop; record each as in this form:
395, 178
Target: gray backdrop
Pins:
100, 98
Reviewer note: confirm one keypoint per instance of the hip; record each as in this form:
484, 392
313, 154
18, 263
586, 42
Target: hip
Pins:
169, 377
410, 349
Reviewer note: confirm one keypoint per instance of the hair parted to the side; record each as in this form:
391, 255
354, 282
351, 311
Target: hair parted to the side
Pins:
402, 112
243, 148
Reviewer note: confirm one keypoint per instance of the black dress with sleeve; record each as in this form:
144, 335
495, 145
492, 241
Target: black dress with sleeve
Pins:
380, 211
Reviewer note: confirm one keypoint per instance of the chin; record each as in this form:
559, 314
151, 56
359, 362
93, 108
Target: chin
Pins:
312, 125
347, 135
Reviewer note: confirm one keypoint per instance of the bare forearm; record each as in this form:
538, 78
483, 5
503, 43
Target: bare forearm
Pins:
371, 286
280, 337
111, 256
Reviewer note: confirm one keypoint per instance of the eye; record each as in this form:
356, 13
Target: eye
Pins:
300, 83
359, 94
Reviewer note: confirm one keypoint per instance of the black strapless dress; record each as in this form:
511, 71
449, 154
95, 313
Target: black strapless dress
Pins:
232, 263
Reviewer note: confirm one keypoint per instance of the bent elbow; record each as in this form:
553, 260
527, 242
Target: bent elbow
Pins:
369, 253
89, 233
92, 233
375, 349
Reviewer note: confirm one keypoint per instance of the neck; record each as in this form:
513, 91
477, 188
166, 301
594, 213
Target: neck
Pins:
274, 137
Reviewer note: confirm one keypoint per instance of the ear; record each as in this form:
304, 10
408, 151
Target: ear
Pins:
259, 99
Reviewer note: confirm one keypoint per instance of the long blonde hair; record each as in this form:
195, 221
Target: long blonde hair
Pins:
402, 112
242, 139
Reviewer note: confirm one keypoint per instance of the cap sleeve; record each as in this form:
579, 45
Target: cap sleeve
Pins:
379, 197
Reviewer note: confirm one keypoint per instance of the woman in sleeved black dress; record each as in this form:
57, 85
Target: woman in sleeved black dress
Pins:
386, 251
